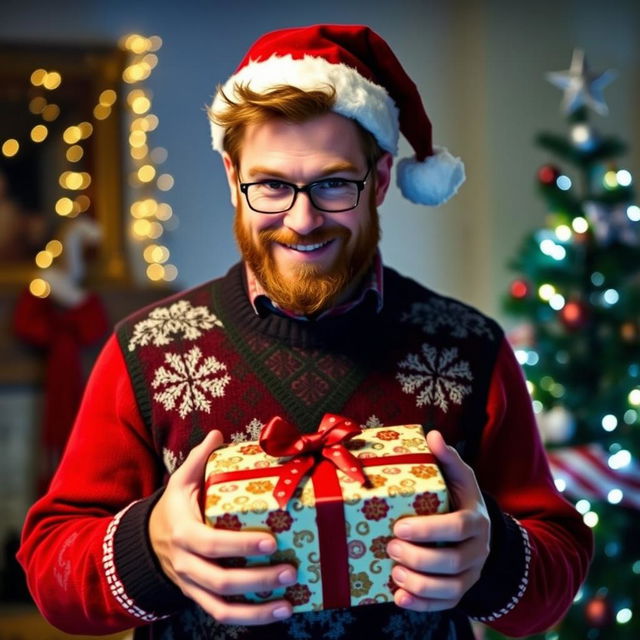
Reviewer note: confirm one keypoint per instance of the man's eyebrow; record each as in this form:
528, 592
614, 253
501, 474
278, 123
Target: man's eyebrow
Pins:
337, 167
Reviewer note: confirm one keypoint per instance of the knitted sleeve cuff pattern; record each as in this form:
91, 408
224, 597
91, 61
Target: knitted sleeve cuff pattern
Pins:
133, 572
505, 574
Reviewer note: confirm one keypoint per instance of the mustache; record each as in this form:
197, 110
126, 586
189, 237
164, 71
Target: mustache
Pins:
288, 236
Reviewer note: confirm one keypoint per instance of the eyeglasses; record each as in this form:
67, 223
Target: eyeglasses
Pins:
329, 194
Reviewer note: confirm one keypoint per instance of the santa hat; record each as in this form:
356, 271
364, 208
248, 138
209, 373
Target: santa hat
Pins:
370, 86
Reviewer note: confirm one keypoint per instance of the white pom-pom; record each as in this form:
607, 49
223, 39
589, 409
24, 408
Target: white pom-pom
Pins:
433, 181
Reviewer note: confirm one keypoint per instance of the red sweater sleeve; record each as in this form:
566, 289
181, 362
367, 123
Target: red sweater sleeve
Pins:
108, 475
536, 533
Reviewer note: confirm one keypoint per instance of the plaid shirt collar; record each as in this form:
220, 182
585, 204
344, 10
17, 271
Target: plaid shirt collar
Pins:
372, 282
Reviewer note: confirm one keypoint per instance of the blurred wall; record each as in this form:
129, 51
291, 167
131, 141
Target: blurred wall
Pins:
480, 69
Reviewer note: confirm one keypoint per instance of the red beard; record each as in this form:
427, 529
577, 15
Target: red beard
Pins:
310, 289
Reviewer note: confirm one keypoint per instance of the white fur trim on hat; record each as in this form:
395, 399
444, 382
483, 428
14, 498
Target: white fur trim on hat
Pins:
356, 97
432, 181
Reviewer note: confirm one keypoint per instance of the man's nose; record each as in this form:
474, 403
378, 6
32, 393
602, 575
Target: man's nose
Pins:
303, 217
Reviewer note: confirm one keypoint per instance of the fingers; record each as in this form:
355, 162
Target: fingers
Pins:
436, 560
189, 563
456, 526
233, 581
240, 613
431, 591
431, 577
196, 537
428, 587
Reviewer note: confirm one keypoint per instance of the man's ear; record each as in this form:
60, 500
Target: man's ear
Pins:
383, 176
232, 178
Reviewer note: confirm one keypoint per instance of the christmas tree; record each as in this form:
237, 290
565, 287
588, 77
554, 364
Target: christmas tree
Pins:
577, 293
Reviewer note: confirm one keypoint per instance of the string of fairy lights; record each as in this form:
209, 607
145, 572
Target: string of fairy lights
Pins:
149, 217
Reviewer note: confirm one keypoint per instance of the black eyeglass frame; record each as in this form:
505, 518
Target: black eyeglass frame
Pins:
306, 188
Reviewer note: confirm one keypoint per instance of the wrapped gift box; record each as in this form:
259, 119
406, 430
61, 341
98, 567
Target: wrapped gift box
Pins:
334, 529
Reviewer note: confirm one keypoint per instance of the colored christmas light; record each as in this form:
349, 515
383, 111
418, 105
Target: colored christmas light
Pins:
580, 224
633, 213
624, 178
564, 183
548, 174
519, 289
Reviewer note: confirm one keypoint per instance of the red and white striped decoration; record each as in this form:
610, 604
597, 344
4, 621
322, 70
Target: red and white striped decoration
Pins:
586, 473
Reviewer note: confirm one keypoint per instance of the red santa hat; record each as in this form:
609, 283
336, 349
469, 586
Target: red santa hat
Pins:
370, 86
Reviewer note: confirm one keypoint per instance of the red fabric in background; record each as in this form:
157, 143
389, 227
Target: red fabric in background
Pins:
62, 333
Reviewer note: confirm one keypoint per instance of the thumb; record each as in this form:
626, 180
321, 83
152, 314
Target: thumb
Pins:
191, 470
461, 480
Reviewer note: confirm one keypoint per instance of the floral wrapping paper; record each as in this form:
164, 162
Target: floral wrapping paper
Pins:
395, 489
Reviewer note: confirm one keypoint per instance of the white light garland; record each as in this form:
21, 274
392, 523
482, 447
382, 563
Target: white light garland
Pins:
149, 216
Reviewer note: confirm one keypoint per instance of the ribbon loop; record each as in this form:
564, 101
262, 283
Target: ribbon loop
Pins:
279, 438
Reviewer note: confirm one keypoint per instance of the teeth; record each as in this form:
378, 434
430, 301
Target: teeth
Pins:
307, 247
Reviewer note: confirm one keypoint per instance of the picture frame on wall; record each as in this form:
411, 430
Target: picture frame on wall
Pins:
61, 146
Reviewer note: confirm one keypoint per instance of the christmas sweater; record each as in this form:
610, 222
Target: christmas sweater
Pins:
205, 360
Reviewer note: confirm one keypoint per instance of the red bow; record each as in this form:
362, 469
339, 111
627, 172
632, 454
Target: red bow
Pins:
280, 438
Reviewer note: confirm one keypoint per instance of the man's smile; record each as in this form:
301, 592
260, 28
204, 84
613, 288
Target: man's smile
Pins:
307, 248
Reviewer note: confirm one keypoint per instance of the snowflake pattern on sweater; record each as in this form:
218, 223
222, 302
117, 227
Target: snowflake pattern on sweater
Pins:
372, 422
332, 624
435, 376
460, 321
180, 318
251, 432
171, 460
189, 379
417, 623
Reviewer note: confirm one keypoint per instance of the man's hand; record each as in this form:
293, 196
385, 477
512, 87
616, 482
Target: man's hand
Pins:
188, 549
430, 577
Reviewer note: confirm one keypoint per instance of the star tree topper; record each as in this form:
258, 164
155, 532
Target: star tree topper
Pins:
582, 87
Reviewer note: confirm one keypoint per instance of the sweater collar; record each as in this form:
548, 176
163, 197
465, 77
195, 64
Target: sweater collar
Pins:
234, 309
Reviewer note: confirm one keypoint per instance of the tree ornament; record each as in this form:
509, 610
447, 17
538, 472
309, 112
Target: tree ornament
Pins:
598, 612
629, 332
519, 289
611, 224
582, 87
556, 425
574, 315
548, 174
522, 336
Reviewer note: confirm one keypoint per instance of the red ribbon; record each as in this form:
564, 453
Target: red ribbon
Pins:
262, 472
332, 537
280, 438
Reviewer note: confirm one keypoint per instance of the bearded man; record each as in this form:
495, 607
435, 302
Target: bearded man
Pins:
310, 322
